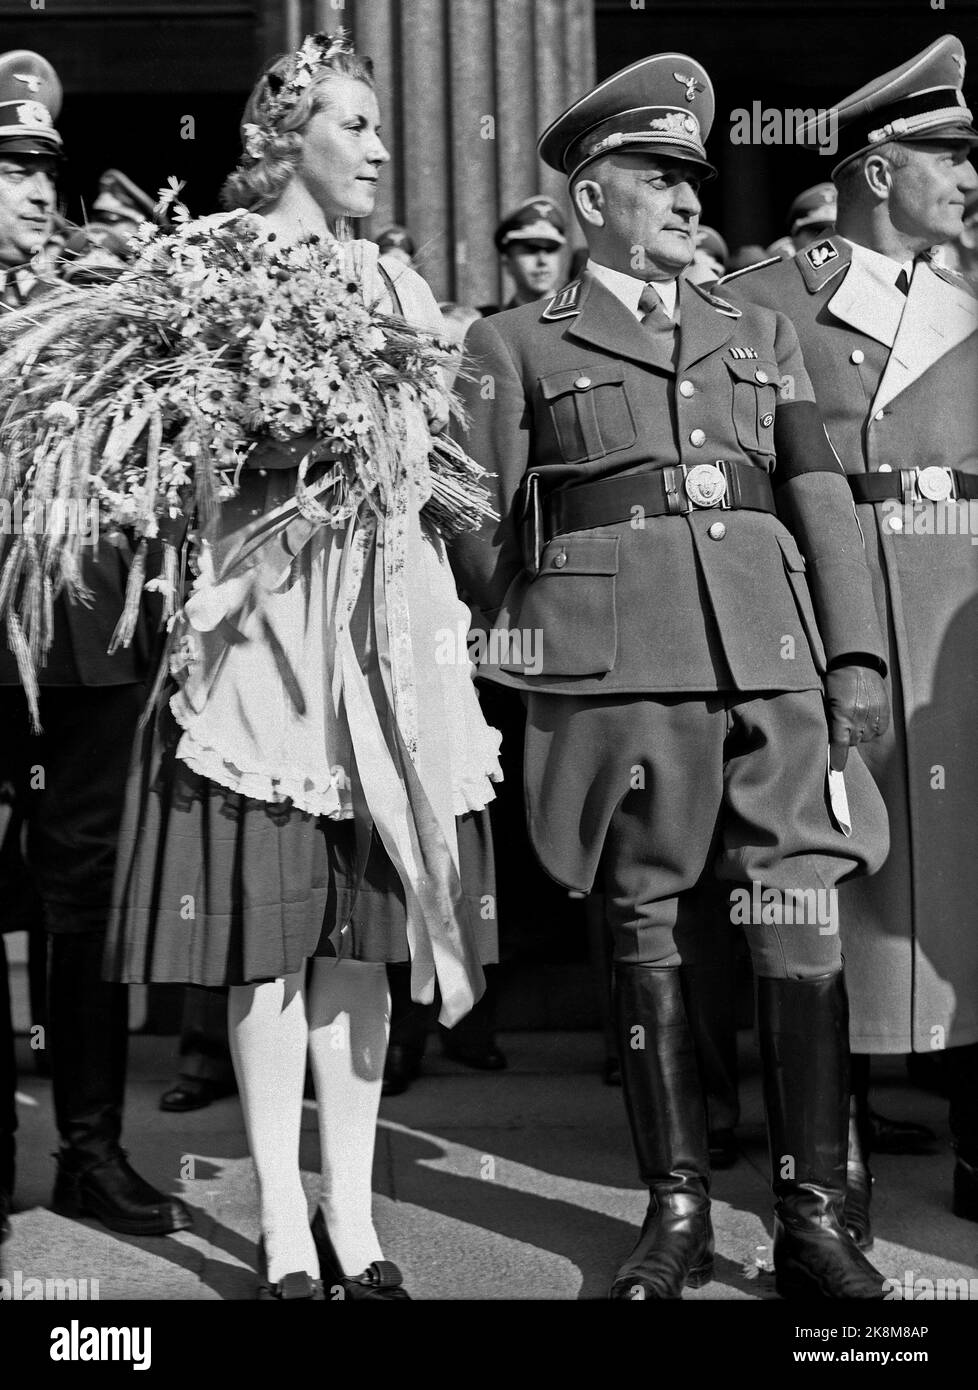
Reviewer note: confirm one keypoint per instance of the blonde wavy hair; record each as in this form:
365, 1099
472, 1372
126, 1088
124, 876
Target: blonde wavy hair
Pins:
259, 178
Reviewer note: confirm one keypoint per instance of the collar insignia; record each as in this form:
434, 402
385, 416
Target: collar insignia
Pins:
821, 254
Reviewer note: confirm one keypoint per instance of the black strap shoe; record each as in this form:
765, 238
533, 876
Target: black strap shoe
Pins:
803, 1027
381, 1280
297, 1285
112, 1192
667, 1116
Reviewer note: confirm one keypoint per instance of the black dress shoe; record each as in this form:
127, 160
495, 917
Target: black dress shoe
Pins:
486, 1057
965, 1202
112, 1192
403, 1065
899, 1136
193, 1093
380, 1280
298, 1285
723, 1148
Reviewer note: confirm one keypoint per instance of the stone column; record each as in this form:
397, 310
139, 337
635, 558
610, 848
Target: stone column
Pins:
466, 86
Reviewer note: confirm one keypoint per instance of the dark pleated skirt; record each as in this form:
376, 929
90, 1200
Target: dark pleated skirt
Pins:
214, 888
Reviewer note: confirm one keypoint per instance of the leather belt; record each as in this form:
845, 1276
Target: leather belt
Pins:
914, 485
672, 491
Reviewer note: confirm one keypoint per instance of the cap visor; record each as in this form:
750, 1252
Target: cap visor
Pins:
28, 144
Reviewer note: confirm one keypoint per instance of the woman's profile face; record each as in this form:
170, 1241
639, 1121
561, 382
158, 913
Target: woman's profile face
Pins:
342, 150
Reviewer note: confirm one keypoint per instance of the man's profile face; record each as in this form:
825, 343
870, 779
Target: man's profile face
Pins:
927, 195
27, 200
534, 266
651, 211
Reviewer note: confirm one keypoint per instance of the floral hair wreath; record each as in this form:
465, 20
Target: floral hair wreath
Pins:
307, 62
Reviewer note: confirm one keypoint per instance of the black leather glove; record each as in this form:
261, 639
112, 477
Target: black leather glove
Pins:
858, 709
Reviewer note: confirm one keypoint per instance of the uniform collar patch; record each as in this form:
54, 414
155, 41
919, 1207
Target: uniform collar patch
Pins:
820, 254
565, 303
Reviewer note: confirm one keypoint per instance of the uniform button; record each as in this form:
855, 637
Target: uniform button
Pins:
761, 377
885, 468
560, 560
686, 388
767, 421
697, 438
895, 523
263, 472
879, 414
717, 531
582, 383
857, 356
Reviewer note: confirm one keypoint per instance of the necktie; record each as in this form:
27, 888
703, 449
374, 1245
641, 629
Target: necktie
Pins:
658, 324
903, 281
651, 306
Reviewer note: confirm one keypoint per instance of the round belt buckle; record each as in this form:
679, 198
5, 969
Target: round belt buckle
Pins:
705, 485
934, 483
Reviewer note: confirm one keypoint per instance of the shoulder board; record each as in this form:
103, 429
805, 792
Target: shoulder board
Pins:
722, 306
746, 269
564, 304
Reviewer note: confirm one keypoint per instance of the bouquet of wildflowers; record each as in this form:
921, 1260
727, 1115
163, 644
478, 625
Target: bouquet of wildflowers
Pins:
148, 392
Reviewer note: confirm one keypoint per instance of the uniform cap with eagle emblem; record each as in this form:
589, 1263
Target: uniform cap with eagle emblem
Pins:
30, 99
537, 219
663, 105
922, 99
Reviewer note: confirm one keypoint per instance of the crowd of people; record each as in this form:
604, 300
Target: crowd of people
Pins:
721, 485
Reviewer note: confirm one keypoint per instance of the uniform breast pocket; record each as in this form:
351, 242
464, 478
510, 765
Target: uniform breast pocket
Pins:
590, 411
755, 392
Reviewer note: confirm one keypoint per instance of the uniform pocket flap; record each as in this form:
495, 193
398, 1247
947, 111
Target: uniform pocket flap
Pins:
581, 379
580, 555
793, 557
746, 369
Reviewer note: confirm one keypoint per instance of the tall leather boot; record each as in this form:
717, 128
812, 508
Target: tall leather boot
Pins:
962, 1087
859, 1180
664, 1103
711, 1006
803, 1029
88, 1036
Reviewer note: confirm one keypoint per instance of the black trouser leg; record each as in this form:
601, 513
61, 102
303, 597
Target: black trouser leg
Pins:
88, 1034
962, 1077
664, 1102
803, 1028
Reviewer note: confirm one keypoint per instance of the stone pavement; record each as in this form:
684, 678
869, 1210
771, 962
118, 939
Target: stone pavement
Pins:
519, 1184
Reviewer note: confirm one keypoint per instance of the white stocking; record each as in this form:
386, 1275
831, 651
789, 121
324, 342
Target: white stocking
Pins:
268, 1035
349, 1019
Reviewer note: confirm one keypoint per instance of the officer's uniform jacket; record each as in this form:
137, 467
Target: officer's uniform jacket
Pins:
896, 393
576, 389
83, 630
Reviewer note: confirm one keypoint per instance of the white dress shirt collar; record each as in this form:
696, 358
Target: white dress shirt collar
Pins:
628, 288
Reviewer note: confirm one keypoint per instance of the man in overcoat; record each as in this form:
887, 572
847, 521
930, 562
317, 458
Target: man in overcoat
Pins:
671, 520
890, 342
66, 785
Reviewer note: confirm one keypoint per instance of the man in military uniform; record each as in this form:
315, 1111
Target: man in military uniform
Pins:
891, 343
530, 240
650, 442
67, 783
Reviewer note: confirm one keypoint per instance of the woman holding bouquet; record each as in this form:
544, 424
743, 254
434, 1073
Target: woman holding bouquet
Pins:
311, 801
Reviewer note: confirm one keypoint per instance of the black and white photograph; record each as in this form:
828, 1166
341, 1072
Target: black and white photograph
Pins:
489, 672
